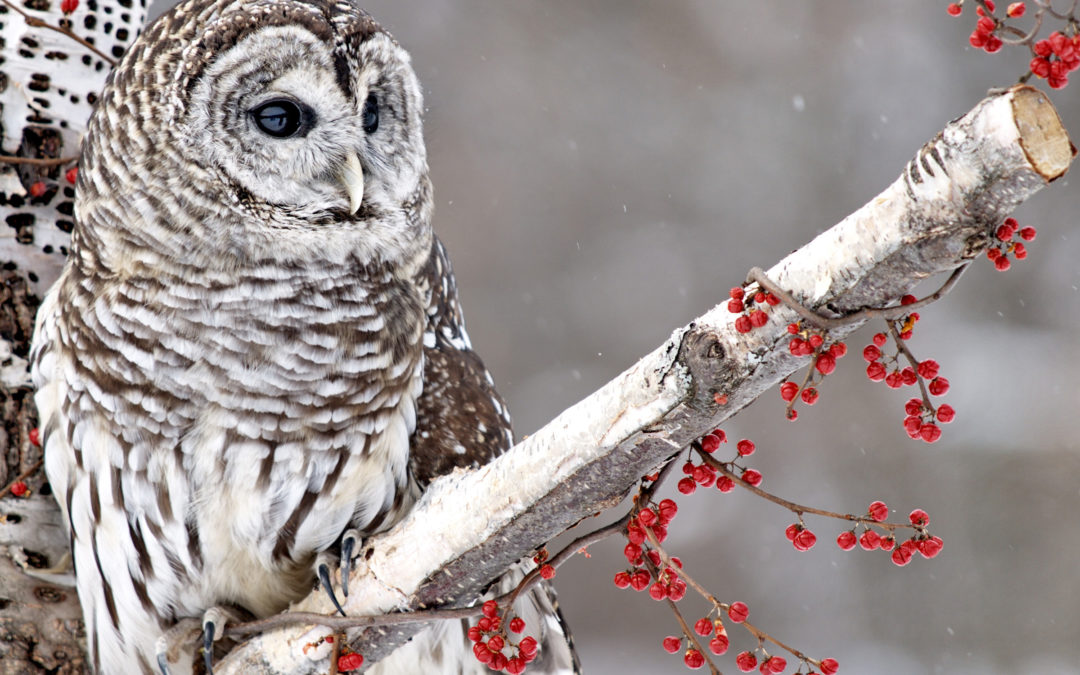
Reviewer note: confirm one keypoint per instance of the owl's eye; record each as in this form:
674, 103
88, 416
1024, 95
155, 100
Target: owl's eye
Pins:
282, 118
370, 114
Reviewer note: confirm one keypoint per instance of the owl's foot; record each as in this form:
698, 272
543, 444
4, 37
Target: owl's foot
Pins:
349, 543
211, 627
168, 645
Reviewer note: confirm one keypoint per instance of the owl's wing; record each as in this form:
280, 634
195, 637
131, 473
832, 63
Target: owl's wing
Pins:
461, 421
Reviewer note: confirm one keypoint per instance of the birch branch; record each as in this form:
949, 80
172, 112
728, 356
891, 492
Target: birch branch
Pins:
470, 526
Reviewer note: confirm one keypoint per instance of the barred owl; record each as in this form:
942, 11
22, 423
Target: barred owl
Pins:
256, 343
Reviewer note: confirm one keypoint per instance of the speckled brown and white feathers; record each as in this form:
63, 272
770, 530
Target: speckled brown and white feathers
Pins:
239, 360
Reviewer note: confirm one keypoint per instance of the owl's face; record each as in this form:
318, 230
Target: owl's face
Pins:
264, 129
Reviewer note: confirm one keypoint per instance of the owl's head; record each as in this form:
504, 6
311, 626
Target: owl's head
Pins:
288, 127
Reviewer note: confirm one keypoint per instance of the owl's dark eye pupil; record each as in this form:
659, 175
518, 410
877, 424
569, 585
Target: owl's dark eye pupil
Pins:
370, 114
280, 118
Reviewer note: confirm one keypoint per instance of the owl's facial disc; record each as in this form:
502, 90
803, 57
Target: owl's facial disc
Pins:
352, 177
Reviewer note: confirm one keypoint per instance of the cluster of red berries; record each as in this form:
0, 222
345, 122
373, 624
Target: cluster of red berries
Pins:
39, 188
807, 343
667, 585
1005, 243
490, 641
705, 627
706, 475
1056, 57
921, 542
751, 309
921, 419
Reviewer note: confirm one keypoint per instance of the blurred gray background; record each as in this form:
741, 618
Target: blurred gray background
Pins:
606, 170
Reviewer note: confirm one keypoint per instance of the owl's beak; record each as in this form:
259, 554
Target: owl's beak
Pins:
352, 177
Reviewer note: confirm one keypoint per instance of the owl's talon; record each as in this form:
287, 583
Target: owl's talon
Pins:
163, 663
349, 541
323, 570
208, 645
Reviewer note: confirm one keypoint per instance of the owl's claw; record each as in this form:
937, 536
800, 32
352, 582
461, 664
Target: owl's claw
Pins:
349, 542
213, 627
163, 663
208, 645
323, 570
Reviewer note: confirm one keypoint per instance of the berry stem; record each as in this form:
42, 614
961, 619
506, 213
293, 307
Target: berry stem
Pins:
35, 22
912, 361
797, 509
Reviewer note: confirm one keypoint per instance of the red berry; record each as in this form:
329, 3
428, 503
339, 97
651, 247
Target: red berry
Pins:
908, 376
930, 432
1002, 264
870, 540
737, 293
1028, 233
703, 626
735, 306
710, 443
928, 369
1043, 48
759, 297
515, 666
37, 189
846, 540
672, 644
829, 667
719, 644
919, 518
929, 548
1004, 232
658, 591
838, 350
810, 396
912, 425
639, 581
993, 44
878, 511
771, 300
792, 415
647, 517
793, 328
816, 340
826, 363
1015, 10
903, 553
875, 371
938, 386
945, 413
622, 580
752, 476
632, 552
68, 6
908, 299
687, 486
880, 339
693, 659
527, 647
496, 643
19, 488
894, 380
804, 540
743, 325
1019, 251
913, 406
517, 624
490, 608
73, 173
954, 9
985, 25
745, 447
993, 253
350, 661
667, 508
796, 346
498, 661
677, 590
35, 436
725, 484
758, 319
788, 391
738, 612
775, 665
547, 572
792, 530
746, 661
474, 633
1041, 68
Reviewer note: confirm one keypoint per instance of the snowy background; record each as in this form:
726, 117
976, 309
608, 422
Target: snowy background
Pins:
606, 170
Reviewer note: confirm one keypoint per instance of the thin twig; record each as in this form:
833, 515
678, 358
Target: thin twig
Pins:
758, 276
21, 477
797, 509
37, 161
35, 22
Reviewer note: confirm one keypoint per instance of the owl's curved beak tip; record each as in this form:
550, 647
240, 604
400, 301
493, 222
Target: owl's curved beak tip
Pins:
352, 177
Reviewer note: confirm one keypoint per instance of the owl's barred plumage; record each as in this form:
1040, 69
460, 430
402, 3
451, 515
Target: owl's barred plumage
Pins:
243, 357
